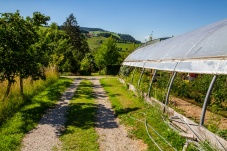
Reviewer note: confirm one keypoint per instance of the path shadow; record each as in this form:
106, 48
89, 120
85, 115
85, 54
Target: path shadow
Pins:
105, 118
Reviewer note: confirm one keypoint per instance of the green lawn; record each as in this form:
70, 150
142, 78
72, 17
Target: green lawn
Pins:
80, 134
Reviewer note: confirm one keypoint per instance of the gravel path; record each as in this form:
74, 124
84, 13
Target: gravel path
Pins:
45, 136
112, 136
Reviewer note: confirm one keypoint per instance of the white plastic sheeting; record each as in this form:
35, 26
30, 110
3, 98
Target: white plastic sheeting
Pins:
201, 51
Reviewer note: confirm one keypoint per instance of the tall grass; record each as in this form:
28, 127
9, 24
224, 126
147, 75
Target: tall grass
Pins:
14, 128
13, 102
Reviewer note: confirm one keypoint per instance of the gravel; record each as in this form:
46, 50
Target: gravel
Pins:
112, 135
45, 136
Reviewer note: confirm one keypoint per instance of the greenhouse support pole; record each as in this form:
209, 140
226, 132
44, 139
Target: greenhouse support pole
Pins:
206, 100
133, 74
170, 85
141, 75
152, 80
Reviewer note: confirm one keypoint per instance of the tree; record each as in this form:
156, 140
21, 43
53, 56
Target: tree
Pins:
17, 57
59, 43
87, 63
16, 36
79, 43
107, 54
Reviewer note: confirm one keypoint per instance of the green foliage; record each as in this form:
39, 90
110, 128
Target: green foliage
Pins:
80, 133
13, 129
87, 64
39, 19
194, 90
125, 71
57, 44
107, 54
74, 56
16, 54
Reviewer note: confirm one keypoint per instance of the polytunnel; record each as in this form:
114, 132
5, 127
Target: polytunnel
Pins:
202, 51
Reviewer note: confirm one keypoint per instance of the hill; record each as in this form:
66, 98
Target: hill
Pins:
95, 42
94, 32
91, 29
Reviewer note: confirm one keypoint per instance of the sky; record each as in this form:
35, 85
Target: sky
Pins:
139, 18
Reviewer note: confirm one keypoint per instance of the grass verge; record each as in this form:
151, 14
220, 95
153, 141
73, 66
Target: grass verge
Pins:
80, 134
14, 102
14, 129
127, 106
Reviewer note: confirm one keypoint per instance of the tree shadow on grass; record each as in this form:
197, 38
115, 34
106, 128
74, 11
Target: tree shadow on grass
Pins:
42, 103
114, 95
54, 91
106, 85
81, 115
126, 111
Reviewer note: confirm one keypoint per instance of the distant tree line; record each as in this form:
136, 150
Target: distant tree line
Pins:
123, 38
91, 29
128, 38
108, 34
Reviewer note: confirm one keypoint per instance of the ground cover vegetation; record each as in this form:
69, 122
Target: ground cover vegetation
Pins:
26, 116
80, 133
133, 112
193, 91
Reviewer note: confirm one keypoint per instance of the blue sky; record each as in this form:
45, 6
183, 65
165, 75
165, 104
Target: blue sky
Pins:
135, 17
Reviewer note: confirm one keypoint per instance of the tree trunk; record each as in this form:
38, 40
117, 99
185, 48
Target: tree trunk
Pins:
31, 81
21, 86
7, 90
90, 69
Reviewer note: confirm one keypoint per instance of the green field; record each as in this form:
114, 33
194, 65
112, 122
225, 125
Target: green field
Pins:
98, 32
128, 46
95, 42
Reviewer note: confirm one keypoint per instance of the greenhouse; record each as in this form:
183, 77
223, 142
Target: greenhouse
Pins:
202, 51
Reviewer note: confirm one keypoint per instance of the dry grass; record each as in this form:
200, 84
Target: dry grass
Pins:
12, 103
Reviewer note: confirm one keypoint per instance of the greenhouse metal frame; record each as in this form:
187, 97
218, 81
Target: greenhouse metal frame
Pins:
202, 51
